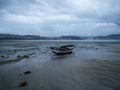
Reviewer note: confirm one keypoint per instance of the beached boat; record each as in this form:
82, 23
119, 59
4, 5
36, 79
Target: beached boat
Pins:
68, 46
63, 50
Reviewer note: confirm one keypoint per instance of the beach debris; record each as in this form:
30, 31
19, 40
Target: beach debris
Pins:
32, 53
18, 56
27, 72
25, 56
2, 56
96, 48
23, 84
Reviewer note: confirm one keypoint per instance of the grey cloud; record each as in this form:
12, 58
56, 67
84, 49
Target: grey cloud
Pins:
45, 17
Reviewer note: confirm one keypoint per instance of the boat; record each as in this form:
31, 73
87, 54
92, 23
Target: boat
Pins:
58, 52
63, 50
68, 46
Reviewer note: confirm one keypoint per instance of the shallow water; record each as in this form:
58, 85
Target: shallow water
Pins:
91, 66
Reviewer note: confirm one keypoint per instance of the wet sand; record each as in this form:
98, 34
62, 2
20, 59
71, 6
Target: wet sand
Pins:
30, 65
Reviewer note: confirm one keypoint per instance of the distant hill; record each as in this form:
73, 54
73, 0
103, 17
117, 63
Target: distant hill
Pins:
112, 36
34, 37
20, 37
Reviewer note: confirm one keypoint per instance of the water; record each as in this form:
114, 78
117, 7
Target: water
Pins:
93, 65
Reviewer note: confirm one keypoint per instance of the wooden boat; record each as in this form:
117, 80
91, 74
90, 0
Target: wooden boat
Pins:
63, 50
59, 52
68, 46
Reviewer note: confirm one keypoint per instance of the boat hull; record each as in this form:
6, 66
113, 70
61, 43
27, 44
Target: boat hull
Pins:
62, 52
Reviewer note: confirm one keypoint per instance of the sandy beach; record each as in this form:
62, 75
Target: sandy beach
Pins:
30, 65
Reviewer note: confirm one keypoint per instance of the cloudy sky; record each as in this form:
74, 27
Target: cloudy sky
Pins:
60, 17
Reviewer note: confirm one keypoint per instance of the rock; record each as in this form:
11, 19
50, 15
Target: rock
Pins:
2, 56
26, 56
18, 56
96, 48
23, 84
27, 72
